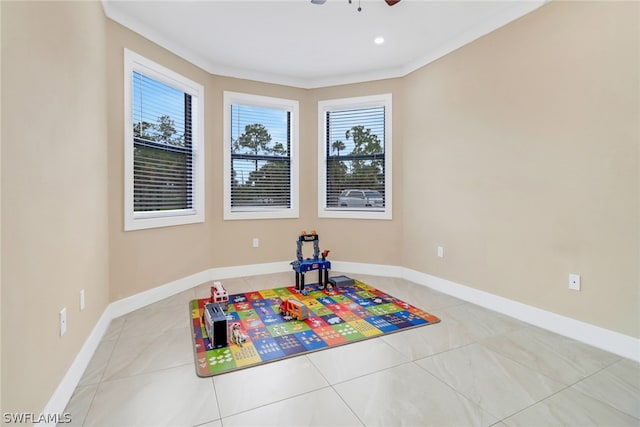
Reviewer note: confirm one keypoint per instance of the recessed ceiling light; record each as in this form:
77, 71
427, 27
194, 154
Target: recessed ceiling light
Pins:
378, 40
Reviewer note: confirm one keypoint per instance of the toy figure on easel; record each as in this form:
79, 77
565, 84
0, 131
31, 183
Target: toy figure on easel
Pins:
301, 265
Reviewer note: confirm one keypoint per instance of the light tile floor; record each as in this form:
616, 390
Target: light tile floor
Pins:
475, 368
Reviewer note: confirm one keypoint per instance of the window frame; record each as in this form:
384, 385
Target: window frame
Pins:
257, 212
371, 101
134, 62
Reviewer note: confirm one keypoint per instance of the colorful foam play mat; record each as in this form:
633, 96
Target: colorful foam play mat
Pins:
237, 331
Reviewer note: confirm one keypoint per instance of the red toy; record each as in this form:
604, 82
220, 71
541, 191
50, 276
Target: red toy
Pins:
220, 295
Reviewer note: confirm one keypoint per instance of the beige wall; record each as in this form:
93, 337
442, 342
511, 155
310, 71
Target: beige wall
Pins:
54, 191
1, 387
517, 153
141, 260
365, 241
524, 163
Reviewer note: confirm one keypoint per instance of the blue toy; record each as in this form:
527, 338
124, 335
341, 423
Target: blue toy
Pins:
301, 265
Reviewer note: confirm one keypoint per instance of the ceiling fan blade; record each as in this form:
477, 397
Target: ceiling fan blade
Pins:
321, 1
392, 2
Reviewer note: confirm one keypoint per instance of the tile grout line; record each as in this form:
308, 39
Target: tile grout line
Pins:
501, 419
454, 389
271, 403
355, 414
215, 395
534, 404
482, 341
99, 383
572, 386
517, 361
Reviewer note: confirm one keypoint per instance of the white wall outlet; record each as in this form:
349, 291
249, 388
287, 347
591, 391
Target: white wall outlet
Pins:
81, 299
574, 282
440, 251
256, 242
63, 321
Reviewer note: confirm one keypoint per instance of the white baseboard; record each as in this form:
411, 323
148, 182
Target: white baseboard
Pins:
605, 339
61, 396
250, 270
369, 269
67, 386
142, 299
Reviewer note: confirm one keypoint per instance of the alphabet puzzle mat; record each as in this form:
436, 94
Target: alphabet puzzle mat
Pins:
339, 316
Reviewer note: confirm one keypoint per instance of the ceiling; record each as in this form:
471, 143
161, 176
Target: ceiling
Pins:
300, 44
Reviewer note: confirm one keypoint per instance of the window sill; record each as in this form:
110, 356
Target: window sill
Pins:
354, 213
142, 222
260, 213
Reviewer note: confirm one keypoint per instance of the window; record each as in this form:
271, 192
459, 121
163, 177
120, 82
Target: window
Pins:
164, 146
261, 160
354, 152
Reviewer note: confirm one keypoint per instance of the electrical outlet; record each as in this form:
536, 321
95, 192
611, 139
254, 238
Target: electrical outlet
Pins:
63, 321
574, 282
81, 299
440, 251
256, 242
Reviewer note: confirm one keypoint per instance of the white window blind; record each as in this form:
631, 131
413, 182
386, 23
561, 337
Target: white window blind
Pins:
354, 173
163, 146
260, 157
261, 171
163, 157
355, 155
